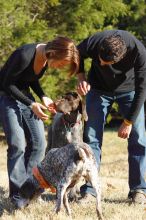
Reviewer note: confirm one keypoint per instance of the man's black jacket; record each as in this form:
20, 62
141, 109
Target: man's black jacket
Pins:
129, 74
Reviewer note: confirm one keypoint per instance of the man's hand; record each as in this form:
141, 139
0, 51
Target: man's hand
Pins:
83, 87
37, 109
124, 130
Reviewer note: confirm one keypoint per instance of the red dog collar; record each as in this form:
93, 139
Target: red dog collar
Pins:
42, 181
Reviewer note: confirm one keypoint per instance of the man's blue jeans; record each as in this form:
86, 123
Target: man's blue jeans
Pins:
98, 106
25, 138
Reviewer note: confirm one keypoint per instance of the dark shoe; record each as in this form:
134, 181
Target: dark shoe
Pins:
19, 202
138, 197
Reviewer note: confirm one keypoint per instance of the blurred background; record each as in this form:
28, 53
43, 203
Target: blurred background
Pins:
29, 21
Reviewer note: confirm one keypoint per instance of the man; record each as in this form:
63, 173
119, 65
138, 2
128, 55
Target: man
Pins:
117, 73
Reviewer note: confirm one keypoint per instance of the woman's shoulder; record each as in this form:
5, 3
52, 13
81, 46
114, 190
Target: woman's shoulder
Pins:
26, 48
26, 51
22, 56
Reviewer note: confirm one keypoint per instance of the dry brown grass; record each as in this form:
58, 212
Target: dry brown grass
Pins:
114, 172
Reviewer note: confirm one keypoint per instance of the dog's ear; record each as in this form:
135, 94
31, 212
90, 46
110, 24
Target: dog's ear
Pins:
82, 108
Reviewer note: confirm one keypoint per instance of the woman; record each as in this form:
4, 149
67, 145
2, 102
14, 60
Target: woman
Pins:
21, 115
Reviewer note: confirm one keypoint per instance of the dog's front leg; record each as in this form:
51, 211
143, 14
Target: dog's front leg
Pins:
59, 200
62, 196
61, 189
49, 139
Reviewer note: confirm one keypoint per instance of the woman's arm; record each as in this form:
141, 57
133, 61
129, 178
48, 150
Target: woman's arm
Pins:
11, 71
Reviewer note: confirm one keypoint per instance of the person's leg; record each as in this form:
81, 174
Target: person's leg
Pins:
35, 138
11, 119
136, 146
98, 105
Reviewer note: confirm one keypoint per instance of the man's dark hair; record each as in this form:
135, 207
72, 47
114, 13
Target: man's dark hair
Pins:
112, 48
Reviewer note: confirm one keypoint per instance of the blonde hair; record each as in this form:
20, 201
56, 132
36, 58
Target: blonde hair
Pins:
63, 48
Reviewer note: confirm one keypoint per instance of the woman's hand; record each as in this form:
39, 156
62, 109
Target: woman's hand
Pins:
49, 104
83, 87
37, 109
46, 101
124, 130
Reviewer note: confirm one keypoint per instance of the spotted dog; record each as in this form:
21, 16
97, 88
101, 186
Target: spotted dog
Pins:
61, 170
67, 125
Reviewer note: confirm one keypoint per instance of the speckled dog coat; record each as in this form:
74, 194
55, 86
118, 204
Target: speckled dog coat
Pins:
67, 125
62, 168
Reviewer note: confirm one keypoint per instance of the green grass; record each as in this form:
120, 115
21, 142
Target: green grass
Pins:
114, 178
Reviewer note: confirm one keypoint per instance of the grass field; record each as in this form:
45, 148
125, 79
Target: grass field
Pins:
114, 173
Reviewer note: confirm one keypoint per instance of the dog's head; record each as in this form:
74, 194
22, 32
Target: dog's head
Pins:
71, 102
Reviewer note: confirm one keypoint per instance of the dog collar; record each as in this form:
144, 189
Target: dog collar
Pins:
43, 183
66, 123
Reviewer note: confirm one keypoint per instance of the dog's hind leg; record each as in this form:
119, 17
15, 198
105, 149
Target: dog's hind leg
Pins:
94, 180
65, 202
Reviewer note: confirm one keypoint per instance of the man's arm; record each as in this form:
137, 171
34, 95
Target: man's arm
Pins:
140, 92
83, 86
140, 84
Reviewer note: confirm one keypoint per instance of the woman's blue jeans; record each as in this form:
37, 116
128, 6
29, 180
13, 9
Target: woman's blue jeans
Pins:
98, 106
25, 138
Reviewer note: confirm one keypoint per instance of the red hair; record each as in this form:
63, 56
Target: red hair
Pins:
63, 48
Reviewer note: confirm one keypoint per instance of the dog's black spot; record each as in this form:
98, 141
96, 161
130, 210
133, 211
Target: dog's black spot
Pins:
76, 157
